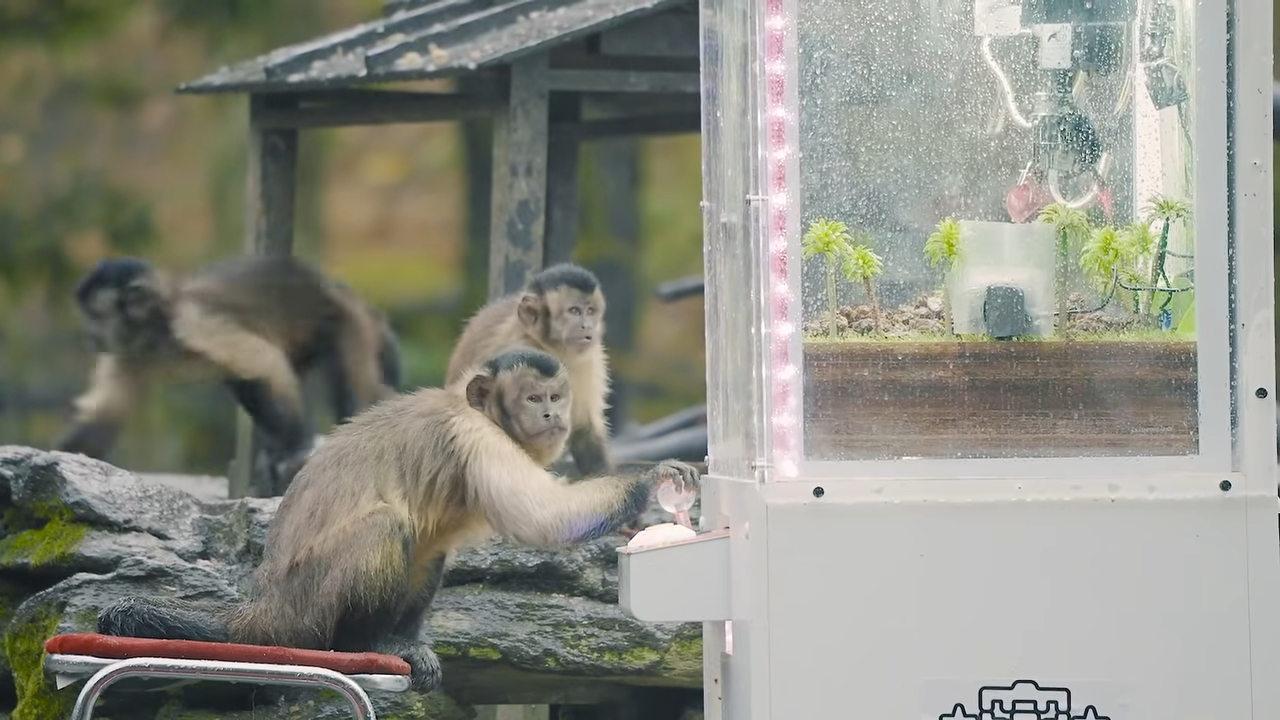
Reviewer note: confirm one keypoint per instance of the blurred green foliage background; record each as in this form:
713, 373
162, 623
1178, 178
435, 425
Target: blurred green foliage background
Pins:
98, 157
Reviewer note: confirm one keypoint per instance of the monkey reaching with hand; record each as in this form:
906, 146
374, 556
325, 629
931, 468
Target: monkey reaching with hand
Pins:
357, 549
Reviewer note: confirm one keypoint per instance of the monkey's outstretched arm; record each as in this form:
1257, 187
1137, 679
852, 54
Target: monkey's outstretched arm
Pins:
100, 410
524, 502
260, 375
527, 504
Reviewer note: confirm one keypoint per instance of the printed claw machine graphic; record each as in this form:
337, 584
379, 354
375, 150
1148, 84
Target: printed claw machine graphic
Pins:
1024, 700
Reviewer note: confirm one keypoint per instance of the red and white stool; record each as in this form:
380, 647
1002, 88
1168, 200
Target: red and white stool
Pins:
105, 659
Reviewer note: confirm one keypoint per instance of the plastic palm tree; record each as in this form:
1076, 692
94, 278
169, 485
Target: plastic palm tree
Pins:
942, 247
831, 240
1141, 243
1105, 252
861, 264
1072, 226
1166, 210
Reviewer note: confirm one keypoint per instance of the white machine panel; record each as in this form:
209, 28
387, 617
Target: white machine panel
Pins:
1139, 608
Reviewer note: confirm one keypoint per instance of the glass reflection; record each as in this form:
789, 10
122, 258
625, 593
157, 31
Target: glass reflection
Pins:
996, 232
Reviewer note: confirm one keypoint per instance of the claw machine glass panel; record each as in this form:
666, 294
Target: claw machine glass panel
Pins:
989, 213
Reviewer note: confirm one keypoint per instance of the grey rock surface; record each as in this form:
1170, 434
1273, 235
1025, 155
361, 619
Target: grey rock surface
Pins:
512, 625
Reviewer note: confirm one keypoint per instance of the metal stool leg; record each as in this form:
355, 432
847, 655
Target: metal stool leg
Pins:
262, 673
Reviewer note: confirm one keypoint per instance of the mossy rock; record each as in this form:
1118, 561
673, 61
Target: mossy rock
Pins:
49, 547
513, 624
72, 605
75, 488
24, 647
11, 596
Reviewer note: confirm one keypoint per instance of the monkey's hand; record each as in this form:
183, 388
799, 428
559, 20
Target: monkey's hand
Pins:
684, 475
87, 438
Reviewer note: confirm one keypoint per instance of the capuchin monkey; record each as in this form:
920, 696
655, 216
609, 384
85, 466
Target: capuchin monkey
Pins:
255, 323
560, 312
357, 548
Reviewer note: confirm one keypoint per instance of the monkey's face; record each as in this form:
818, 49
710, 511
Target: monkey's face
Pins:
536, 409
575, 319
125, 320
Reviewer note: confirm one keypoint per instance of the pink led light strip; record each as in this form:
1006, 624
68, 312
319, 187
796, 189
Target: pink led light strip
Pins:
785, 391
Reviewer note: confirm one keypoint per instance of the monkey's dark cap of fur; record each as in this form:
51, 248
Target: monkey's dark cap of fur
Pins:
111, 273
564, 275
544, 364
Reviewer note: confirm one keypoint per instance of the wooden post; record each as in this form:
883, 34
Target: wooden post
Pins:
518, 228
477, 141
618, 173
270, 192
518, 221
563, 199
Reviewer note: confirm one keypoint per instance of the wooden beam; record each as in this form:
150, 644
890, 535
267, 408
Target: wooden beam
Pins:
270, 197
674, 124
576, 59
611, 104
562, 182
518, 227
343, 109
640, 81
667, 34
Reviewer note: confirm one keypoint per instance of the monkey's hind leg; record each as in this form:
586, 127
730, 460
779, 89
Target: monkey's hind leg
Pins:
281, 439
345, 402
390, 362
407, 640
260, 374
360, 362
380, 613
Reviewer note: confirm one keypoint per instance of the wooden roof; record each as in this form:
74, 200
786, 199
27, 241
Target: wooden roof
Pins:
420, 39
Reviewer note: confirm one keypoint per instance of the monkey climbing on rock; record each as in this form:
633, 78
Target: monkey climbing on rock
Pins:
255, 323
559, 312
357, 549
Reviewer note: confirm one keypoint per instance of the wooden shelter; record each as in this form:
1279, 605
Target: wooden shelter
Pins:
551, 74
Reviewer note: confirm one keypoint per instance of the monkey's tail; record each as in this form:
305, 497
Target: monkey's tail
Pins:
162, 619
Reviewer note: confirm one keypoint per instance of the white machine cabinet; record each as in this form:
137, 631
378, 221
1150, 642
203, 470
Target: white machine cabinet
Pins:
1027, 470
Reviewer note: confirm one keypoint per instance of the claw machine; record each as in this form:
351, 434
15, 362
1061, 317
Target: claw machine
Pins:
990, 364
